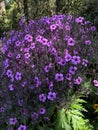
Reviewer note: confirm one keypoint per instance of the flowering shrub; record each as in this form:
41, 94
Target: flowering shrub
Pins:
41, 62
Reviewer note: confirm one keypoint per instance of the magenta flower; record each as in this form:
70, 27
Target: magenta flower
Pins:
12, 121
95, 83
53, 51
59, 77
38, 38
22, 127
28, 38
32, 46
71, 42
53, 27
78, 81
42, 97
44, 41
67, 27
79, 20
27, 55
87, 42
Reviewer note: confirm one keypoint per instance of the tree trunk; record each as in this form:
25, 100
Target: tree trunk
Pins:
26, 13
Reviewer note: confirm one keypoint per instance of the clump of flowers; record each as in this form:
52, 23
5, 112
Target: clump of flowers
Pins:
42, 61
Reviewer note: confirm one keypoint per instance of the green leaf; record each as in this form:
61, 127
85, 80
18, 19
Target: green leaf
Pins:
61, 121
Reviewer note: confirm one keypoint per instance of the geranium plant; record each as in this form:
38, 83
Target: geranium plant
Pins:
41, 62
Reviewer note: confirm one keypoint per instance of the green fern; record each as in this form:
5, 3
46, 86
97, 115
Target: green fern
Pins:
72, 118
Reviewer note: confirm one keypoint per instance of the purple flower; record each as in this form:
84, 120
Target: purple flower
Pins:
42, 97
34, 115
72, 70
22, 127
42, 111
69, 17
61, 61
32, 66
51, 96
18, 76
26, 50
17, 43
2, 109
12, 121
68, 57
71, 42
9, 73
11, 87
79, 20
46, 68
59, 77
9, 41
36, 79
87, 42
76, 60
51, 85
4, 48
10, 54
20, 102
66, 37
28, 38
84, 62
93, 28
75, 52
6, 63
78, 81
68, 76
38, 83
18, 56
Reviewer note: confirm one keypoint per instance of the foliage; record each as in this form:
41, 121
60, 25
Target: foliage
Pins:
90, 11
10, 17
72, 118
